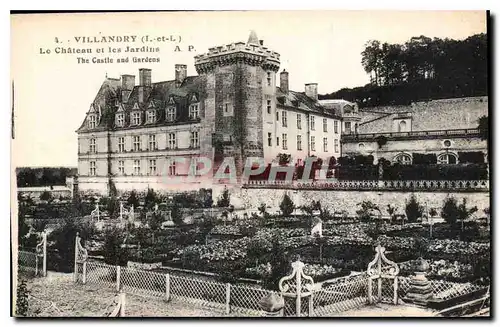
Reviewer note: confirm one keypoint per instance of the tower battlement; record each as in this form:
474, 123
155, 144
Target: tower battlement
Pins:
253, 52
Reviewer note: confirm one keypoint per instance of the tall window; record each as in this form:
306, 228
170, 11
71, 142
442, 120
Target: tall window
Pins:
284, 119
172, 141
325, 125
313, 143
121, 167
299, 121
269, 79
299, 142
277, 141
325, 144
228, 110
92, 146
269, 139
194, 141
347, 127
277, 115
194, 112
170, 113
121, 144
137, 167
284, 141
312, 123
336, 126
171, 168
92, 121
336, 145
152, 142
268, 105
402, 126
152, 167
136, 118
151, 116
92, 168
137, 143
120, 120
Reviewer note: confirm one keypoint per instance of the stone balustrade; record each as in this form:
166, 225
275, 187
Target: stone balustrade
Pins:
383, 185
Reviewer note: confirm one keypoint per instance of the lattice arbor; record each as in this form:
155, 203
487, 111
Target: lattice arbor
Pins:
34, 262
297, 288
383, 281
341, 294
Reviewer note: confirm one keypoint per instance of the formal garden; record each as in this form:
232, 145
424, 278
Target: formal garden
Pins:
230, 247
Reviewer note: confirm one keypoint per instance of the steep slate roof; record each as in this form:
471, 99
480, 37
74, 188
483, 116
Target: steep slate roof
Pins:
109, 98
301, 101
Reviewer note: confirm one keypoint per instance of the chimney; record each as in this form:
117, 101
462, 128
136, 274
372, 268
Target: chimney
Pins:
284, 81
128, 82
180, 74
145, 77
125, 95
312, 91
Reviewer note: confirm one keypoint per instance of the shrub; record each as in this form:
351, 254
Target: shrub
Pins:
381, 141
113, 252
22, 304
484, 127
367, 207
413, 209
474, 157
424, 159
287, 206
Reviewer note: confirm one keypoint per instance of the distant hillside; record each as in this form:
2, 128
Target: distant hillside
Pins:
419, 70
44, 176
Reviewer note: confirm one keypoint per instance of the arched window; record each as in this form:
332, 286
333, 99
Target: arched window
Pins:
402, 126
403, 159
447, 159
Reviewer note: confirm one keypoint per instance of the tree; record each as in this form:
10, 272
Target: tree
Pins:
464, 213
132, 199
176, 214
391, 210
224, 201
151, 199
45, 196
286, 206
22, 230
413, 209
484, 127
450, 211
433, 212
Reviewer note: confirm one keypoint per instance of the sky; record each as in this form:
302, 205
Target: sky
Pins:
53, 91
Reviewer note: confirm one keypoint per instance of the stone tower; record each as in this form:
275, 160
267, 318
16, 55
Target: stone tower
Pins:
240, 78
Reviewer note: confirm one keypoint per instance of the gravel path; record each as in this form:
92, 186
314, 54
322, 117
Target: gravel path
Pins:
57, 296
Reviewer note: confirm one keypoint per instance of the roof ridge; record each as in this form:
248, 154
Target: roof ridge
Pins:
381, 117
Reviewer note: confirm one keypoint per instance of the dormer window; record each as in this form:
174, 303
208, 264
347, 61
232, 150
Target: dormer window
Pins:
92, 121
120, 120
194, 112
136, 118
170, 113
151, 116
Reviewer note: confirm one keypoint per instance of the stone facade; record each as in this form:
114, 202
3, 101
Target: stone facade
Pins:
443, 127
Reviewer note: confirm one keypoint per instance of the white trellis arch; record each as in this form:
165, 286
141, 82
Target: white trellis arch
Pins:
379, 269
298, 285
